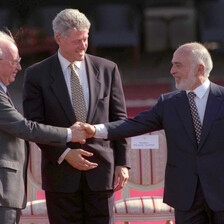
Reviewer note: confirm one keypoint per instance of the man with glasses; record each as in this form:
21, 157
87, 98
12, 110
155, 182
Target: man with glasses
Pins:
14, 63
13, 127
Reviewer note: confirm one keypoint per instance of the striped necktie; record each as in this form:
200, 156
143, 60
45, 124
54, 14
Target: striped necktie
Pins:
78, 99
195, 116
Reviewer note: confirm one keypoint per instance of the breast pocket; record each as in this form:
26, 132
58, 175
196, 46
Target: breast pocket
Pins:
102, 110
10, 165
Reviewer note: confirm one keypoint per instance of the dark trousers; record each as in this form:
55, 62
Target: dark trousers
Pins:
199, 213
81, 207
9, 215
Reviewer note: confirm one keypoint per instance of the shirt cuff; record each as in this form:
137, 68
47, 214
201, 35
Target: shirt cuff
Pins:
62, 157
101, 131
69, 134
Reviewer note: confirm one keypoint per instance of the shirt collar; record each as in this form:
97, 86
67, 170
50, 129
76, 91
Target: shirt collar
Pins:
65, 63
3, 87
202, 89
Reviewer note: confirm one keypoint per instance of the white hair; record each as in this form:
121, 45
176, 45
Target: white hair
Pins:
69, 19
199, 54
8, 37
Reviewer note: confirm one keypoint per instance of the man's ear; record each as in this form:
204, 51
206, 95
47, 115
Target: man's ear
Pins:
200, 69
58, 38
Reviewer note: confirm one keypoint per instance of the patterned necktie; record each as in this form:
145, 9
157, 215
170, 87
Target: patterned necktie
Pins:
78, 99
195, 116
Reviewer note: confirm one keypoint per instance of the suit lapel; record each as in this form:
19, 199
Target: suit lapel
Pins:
183, 110
9, 99
212, 108
60, 90
94, 87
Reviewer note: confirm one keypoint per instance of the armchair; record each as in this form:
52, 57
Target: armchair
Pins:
147, 173
36, 210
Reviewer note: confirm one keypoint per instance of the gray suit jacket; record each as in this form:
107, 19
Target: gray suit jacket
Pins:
13, 152
186, 162
46, 100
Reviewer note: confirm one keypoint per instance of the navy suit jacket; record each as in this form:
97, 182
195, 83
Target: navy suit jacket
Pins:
187, 162
46, 100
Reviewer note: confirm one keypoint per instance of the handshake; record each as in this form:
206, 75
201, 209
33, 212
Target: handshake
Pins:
82, 131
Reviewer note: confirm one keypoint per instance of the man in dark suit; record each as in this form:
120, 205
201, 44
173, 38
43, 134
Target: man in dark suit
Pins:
74, 195
194, 127
13, 128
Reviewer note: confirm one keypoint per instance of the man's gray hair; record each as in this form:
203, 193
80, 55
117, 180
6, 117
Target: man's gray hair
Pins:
199, 55
6, 36
68, 20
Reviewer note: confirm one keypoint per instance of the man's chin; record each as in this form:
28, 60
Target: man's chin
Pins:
80, 58
179, 87
12, 80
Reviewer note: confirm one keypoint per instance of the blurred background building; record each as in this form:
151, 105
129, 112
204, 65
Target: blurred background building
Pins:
139, 35
146, 25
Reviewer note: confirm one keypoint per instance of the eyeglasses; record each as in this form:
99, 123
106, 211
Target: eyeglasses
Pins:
13, 63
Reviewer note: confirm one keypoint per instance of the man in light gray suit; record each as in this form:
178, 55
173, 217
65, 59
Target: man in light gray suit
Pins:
13, 127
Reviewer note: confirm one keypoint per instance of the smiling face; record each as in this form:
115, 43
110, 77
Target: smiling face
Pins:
187, 74
8, 65
74, 46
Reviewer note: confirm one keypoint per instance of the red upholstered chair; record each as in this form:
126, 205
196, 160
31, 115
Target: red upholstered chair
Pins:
35, 211
146, 173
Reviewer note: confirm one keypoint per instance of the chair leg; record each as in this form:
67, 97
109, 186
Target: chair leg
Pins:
169, 222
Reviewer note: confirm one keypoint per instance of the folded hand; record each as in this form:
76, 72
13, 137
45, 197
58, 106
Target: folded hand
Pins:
75, 158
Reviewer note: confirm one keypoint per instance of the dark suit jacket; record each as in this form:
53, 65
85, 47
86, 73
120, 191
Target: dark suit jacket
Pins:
186, 162
14, 154
46, 100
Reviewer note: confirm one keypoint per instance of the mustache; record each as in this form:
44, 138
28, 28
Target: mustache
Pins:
176, 76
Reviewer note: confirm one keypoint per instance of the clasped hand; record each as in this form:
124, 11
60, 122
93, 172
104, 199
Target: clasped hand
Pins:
77, 157
82, 131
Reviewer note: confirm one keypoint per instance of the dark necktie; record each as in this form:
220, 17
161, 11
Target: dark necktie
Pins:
78, 99
195, 116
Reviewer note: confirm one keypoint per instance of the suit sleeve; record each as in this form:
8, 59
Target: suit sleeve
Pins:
144, 122
13, 123
117, 111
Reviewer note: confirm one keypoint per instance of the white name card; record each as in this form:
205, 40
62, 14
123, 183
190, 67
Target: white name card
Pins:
145, 141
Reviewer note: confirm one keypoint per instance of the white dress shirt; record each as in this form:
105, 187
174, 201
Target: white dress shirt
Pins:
3, 87
81, 70
201, 98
